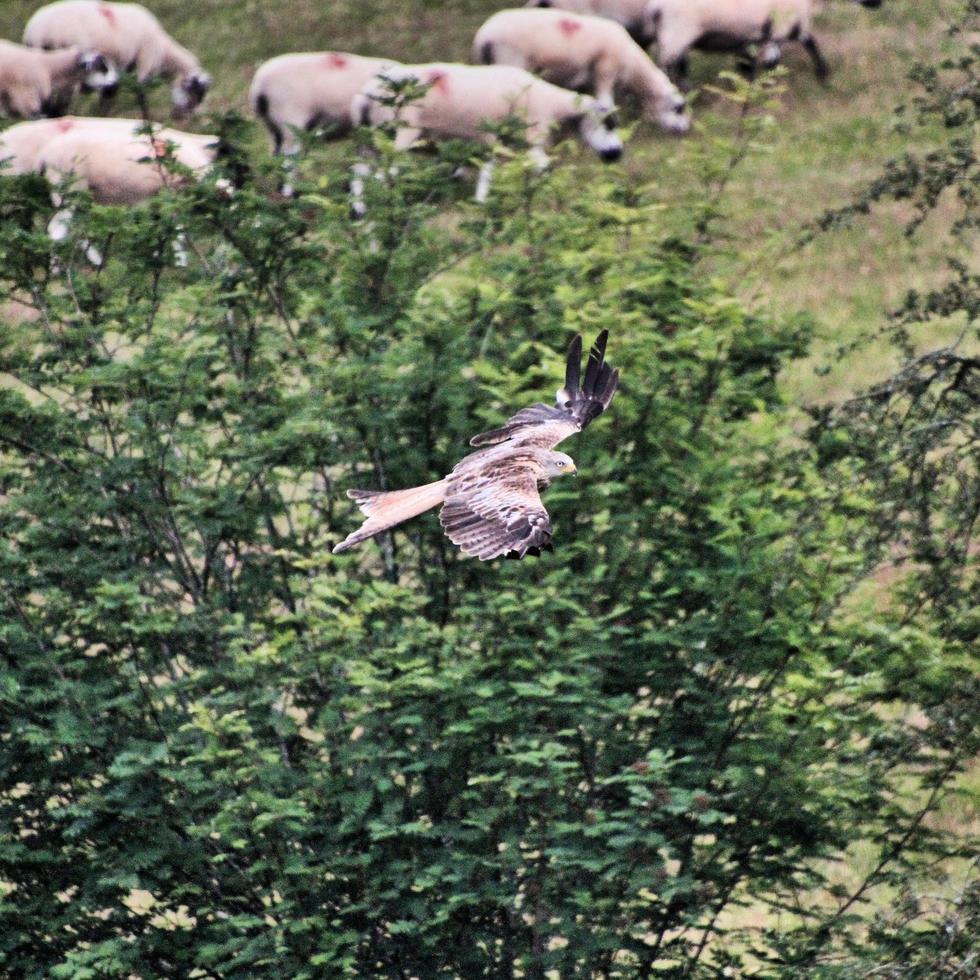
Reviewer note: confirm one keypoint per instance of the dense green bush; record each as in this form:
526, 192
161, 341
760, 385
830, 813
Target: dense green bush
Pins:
226, 752
912, 443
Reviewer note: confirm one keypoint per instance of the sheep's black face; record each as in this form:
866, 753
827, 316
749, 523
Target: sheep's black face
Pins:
187, 94
671, 113
597, 128
100, 76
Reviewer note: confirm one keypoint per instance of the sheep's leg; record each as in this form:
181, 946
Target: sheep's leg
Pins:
289, 172
503, 54
181, 254
407, 137
539, 158
484, 181
53, 106
746, 64
820, 65
358, 172
677, 71
605, 85
105, 103
60, 225
58, 228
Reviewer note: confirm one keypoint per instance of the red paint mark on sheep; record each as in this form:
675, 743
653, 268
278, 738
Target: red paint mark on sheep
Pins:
439, 81
108, 13
335, 60
568, 26
63, 125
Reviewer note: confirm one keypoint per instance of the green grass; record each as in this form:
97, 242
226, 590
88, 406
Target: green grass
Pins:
828, 142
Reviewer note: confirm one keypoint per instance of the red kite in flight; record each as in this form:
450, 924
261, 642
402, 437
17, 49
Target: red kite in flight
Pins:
490, 502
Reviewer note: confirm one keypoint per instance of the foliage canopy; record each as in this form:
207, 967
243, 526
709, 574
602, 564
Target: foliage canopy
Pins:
226, 752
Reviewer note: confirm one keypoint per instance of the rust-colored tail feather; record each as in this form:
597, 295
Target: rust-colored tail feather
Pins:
385, 510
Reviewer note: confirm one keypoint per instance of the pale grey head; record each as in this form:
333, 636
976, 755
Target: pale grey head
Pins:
556, 464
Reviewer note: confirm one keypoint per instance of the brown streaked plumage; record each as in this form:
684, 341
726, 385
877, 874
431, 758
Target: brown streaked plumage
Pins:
490, 502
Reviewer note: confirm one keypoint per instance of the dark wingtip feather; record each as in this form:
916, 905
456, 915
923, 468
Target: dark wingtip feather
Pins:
610, 387
573, 365
593, 369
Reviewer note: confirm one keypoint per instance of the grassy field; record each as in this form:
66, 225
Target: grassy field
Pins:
828, 142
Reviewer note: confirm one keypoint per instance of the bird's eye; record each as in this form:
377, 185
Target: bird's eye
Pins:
560, 463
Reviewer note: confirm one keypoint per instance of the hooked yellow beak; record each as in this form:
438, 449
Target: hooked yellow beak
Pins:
573, 469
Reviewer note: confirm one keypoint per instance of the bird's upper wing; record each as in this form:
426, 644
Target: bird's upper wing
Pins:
492, 508
577, 404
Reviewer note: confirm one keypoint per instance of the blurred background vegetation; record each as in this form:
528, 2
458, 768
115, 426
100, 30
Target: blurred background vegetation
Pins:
727, 729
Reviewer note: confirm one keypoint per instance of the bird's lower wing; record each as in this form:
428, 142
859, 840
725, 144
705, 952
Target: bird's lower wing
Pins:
496, 513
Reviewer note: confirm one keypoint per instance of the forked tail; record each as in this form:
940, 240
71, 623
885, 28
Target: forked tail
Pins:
385, 510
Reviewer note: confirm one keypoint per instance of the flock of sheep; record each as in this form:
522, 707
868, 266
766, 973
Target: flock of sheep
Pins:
556, 64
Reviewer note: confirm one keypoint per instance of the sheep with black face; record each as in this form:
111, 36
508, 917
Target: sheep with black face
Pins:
755, 29
300, 92
581, 52
460, 100
129, 37
43, 83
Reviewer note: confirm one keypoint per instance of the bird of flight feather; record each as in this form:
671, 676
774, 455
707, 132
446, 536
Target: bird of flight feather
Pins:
491, 506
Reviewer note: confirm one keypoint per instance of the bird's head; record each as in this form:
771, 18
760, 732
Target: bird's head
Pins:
558, 464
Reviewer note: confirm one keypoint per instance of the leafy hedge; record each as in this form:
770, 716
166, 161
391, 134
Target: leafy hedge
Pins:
226, 752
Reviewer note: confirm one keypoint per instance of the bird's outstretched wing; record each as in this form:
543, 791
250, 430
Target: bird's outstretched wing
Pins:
579, 402
494, 509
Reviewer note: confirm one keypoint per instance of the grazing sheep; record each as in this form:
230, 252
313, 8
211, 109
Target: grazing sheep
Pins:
461, 99
631, 14
129, 36
578, 52
120, 166
21, 145
110, 158
43, 83
736, 26
300, 92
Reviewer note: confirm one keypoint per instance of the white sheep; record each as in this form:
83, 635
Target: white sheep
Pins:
129, 36
631, 14
460, 100
43, 83
579, 52
734, 26
301, 92
111, 158
21, 145
120, 166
